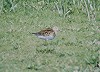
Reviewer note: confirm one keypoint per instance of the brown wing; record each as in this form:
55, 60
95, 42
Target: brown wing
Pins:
46, 32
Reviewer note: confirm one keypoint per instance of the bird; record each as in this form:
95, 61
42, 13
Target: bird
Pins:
47, 34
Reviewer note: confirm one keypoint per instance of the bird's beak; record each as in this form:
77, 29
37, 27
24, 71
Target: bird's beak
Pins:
60, 30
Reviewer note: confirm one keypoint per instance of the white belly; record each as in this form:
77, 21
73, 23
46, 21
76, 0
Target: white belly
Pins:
46, 37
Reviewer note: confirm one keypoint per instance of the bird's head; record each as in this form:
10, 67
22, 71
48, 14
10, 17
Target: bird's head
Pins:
56, 29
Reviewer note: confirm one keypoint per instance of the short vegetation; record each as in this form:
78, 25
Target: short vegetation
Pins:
76, 48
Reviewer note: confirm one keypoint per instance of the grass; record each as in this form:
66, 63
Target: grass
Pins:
75, 49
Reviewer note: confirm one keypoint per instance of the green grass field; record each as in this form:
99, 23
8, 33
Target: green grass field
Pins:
76, 48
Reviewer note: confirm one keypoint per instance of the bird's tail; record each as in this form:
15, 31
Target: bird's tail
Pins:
34, 33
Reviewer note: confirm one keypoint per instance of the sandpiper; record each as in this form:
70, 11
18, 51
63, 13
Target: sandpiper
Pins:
47, 34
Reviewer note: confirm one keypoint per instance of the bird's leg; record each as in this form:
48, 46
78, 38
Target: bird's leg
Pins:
46, 43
